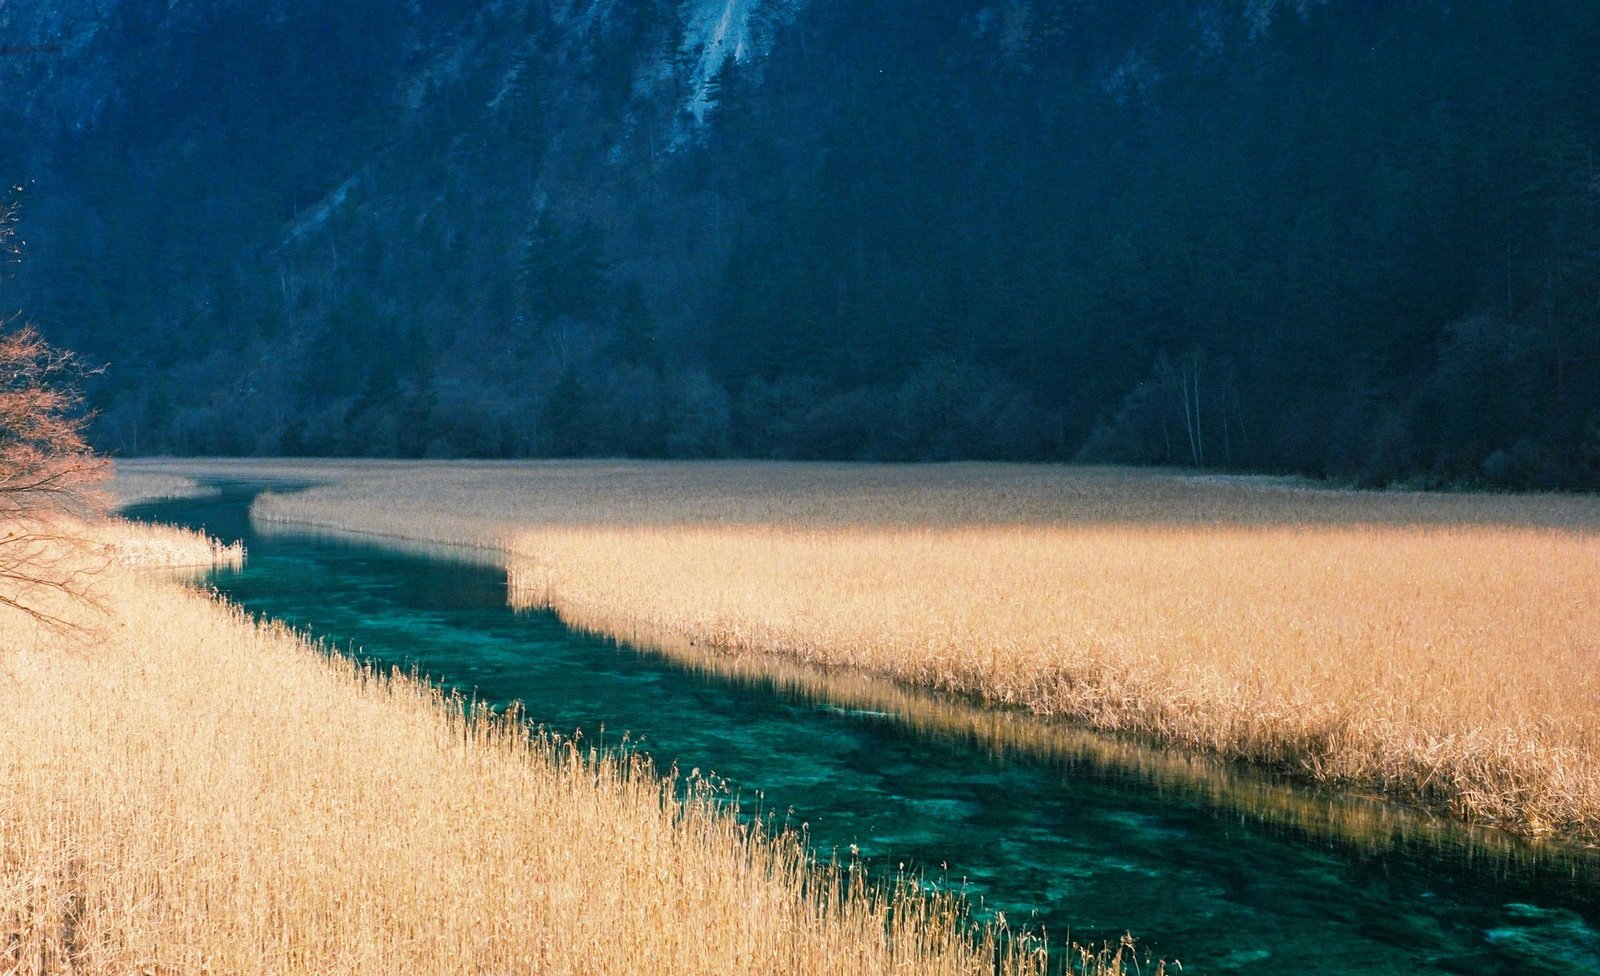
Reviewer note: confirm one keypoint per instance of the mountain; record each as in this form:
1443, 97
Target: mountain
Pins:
1347, 238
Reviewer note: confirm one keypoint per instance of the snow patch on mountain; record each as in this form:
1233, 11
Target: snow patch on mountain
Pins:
717, 30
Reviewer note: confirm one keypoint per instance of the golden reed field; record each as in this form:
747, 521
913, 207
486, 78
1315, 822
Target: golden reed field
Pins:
192, 791
1438, 648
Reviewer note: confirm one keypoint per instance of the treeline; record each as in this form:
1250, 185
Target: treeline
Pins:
1350, 239
1364, 245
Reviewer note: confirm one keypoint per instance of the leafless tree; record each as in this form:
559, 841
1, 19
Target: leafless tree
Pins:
48, 472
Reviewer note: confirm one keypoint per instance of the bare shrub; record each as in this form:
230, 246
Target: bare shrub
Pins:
48, 472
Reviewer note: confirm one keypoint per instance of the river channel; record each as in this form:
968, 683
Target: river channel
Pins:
1083, 848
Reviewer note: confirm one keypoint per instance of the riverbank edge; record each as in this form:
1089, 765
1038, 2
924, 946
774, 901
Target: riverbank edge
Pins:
72, 909
1567, 842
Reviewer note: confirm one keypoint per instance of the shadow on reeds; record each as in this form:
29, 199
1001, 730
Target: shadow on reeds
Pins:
1360, 824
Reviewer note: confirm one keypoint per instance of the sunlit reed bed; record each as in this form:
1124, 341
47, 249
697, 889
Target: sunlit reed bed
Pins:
1454, 665
131, 487
134, 545
194, 791
1440, 648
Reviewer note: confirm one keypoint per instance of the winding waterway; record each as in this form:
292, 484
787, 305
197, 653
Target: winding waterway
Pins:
1094, 848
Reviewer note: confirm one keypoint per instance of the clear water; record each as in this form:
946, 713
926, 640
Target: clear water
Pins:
1088, 850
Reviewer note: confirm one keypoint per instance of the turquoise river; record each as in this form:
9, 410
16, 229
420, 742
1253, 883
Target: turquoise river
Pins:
1083, 847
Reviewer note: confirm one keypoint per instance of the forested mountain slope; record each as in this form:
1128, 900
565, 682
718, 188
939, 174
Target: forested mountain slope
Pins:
1343, 237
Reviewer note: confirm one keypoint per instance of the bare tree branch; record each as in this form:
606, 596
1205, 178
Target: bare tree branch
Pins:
48, 473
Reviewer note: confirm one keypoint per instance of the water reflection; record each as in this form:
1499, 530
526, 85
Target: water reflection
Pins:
1365, 824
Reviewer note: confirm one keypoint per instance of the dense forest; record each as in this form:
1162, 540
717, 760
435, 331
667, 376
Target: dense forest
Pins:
1351, 239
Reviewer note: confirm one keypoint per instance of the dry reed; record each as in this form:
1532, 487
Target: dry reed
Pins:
1440, 648
200, 792
1451, 665
135, 545
128, 487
